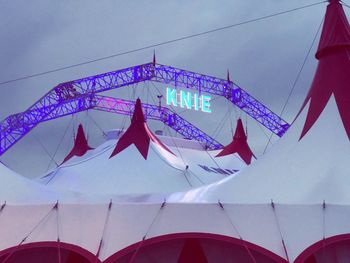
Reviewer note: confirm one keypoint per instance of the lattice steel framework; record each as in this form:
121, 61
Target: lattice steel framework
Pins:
165, 115
79, 95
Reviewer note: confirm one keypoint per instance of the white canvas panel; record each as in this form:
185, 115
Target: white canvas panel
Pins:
301, 225
17, 221
82, 225
257, 224
127, 224
337, 220
203, 218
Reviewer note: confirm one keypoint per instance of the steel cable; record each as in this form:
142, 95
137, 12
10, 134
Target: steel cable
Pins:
159, 44
297, 78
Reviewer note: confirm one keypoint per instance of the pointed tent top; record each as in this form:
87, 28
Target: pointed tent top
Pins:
239, 133
138, 134
81, 145
308, 172
154, 58
333, 72
238, 145
138, 113
336, 30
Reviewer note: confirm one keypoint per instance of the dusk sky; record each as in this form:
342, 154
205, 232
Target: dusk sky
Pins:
263, 58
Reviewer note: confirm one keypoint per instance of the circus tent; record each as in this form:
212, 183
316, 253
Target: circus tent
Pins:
291, 205
305, 177
139, 163
310, 163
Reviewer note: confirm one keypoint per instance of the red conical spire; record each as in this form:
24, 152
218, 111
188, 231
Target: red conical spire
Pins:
333, 72
138, 134
335, 32
238, 145
81, 145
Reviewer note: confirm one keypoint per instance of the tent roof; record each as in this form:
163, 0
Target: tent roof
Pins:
311, 162
80, 146
137, 134
16, 189
128, 173
238, 145
332, 77
139, 163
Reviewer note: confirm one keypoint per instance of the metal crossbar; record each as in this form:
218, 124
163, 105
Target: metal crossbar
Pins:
79, 95
165, 115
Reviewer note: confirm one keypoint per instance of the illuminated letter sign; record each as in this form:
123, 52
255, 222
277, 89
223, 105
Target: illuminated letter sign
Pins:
188, 100
185, 99
206, 103
171, 97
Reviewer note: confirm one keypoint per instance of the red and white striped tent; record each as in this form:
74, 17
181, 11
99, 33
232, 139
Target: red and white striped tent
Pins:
292, 205
139, 163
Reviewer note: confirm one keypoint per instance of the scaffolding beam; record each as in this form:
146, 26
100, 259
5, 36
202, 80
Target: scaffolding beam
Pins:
78, 95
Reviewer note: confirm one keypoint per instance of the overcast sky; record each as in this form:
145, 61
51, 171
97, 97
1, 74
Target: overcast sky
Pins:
263, 58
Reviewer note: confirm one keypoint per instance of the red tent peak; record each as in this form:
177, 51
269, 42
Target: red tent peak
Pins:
138, 113
333, 72
238, 145
239, 133
336, 30
138, 134
80, 146
81, 138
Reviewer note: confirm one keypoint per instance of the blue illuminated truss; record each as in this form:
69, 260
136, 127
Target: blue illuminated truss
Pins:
163, 114
80, 95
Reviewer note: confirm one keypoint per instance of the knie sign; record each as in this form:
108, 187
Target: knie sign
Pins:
188, 100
